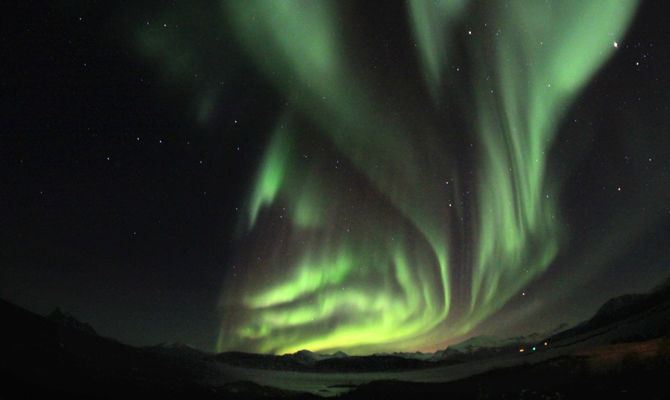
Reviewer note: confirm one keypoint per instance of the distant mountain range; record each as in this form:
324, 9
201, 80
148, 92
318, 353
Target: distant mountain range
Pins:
478, 347
627, 309
58, 355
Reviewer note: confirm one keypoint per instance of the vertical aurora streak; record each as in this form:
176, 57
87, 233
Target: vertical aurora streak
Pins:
370, 258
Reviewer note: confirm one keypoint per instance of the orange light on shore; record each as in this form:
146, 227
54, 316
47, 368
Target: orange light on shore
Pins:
521, 350
546, 343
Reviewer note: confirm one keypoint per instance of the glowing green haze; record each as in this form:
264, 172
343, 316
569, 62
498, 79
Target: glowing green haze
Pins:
388, 241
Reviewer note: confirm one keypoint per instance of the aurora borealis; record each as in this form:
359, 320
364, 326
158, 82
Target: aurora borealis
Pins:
271, 176
388, 280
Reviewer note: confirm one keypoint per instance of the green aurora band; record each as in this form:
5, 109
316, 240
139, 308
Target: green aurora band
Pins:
418, 250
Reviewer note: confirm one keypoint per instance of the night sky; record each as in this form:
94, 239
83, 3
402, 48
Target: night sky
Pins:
348, 176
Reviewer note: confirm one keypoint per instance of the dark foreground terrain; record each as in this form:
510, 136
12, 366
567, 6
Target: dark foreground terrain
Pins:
566, 377
622, 352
